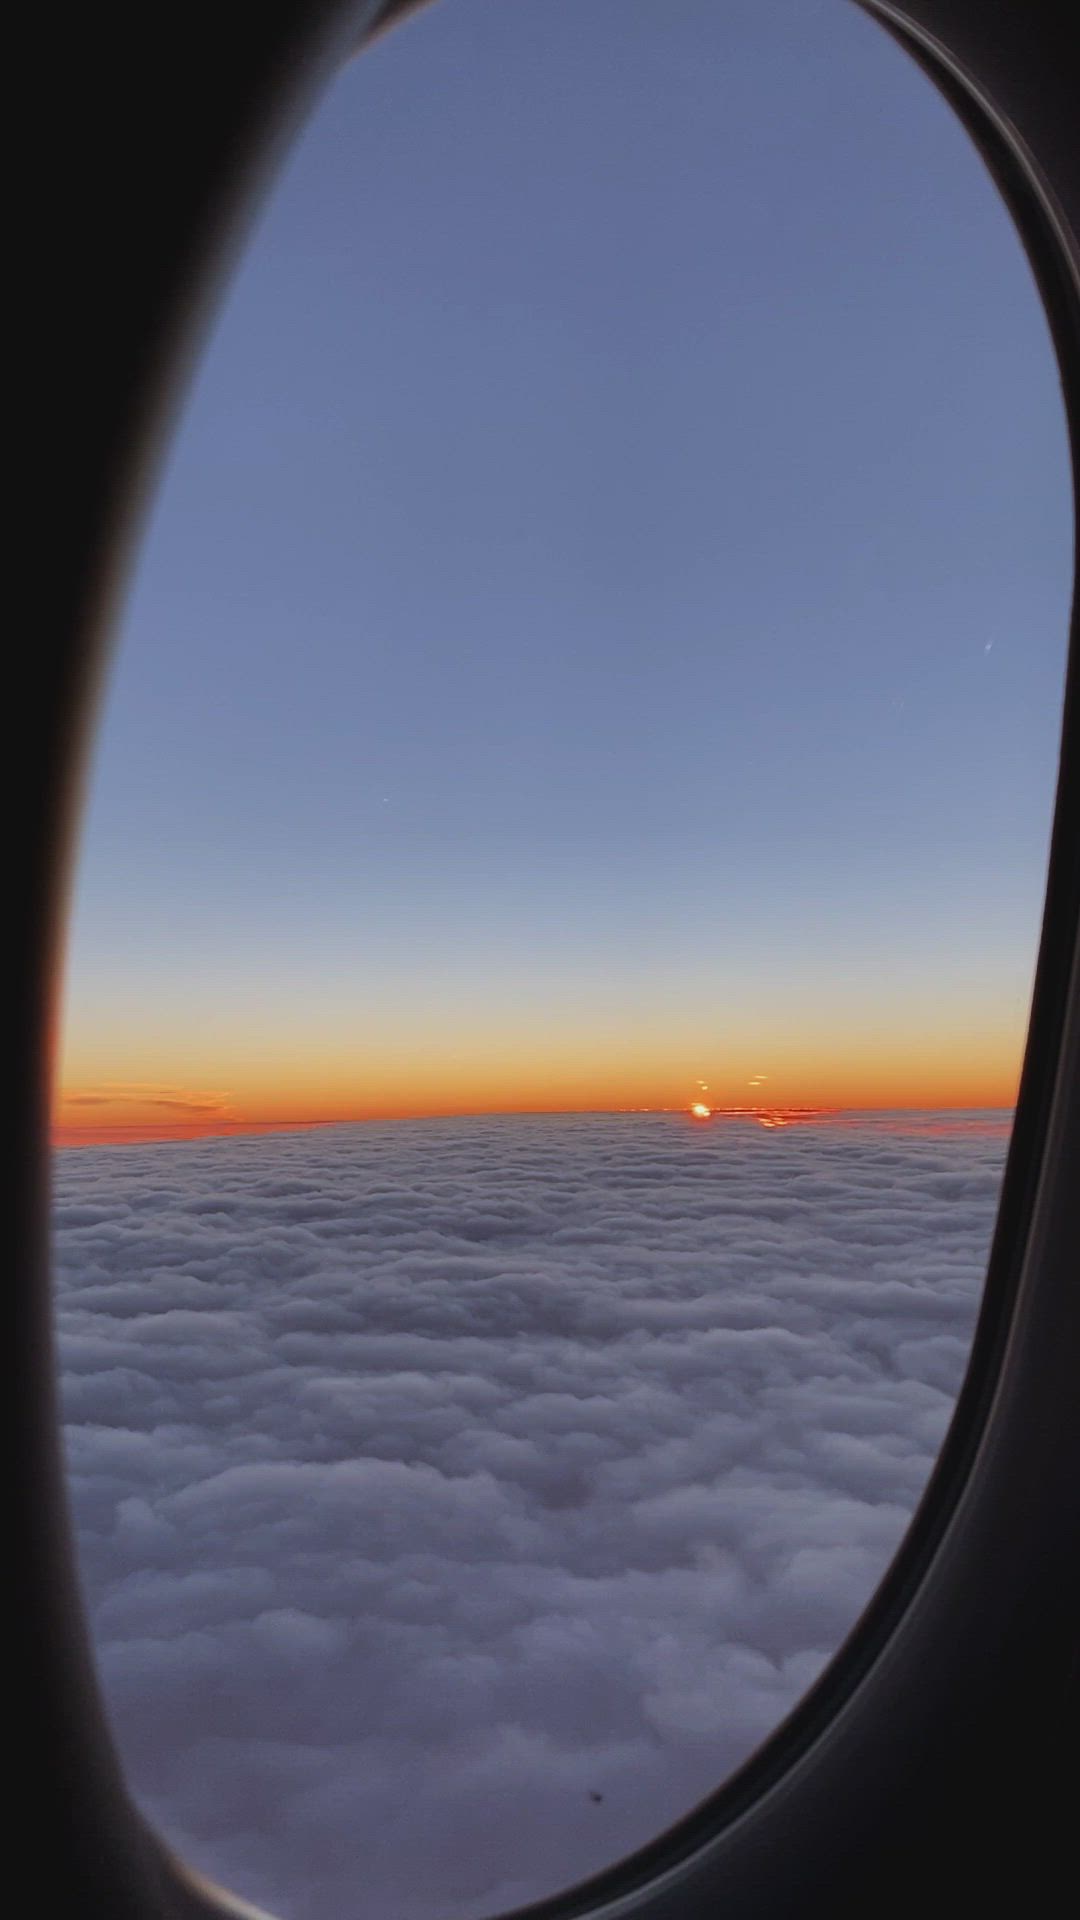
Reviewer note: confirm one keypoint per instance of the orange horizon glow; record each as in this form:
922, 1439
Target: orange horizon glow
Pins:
249, 1056
116, 1114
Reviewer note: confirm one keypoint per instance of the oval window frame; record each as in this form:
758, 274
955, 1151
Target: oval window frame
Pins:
959, 1651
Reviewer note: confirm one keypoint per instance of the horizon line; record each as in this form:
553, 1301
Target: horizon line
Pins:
145, 1133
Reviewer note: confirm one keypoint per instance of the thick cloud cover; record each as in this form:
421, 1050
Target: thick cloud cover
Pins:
459, 1501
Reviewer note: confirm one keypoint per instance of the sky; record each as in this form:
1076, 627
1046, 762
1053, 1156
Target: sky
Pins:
601, 626
459, 1501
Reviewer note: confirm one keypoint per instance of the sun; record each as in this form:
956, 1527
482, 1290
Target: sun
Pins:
699, 1111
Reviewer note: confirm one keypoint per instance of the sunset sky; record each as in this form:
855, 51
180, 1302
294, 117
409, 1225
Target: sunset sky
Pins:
602, 624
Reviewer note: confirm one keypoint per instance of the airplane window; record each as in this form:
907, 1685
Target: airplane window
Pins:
553, 940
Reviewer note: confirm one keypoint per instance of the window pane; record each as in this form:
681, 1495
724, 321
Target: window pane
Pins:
553, 941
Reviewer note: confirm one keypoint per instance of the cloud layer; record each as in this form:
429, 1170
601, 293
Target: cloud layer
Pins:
459, 1501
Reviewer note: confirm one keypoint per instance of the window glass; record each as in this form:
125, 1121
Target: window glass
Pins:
553, 941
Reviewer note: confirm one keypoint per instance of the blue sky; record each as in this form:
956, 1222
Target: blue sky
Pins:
606, 601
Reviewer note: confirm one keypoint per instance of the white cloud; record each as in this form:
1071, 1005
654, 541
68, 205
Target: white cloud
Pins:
458, 1502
